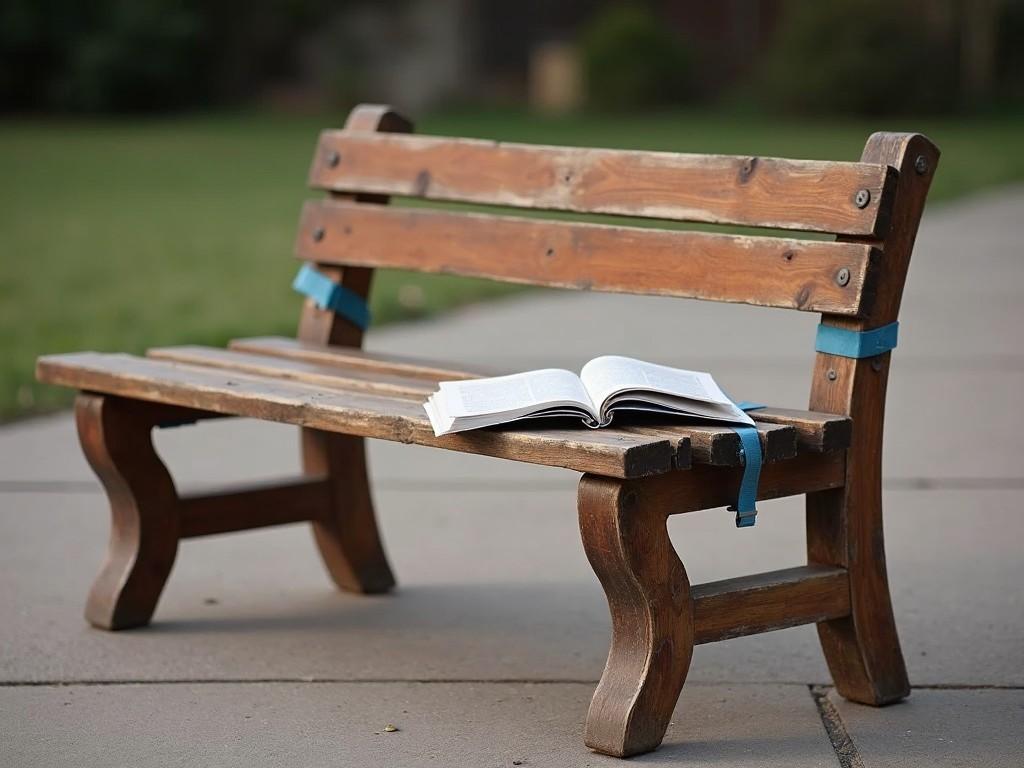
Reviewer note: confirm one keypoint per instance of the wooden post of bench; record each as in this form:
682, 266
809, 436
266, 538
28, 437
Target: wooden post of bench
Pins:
844, 526
115, 435
347, 536
625, 536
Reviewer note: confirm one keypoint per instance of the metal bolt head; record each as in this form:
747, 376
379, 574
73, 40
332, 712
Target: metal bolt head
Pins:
318, 234
921, 165
333, 158
862, 198
832, 375
843, 277
876, 364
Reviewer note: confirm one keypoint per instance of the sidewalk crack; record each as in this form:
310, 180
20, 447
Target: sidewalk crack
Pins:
842, 742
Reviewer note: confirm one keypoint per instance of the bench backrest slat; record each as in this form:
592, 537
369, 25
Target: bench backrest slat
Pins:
375, 157
812, 275
835, 197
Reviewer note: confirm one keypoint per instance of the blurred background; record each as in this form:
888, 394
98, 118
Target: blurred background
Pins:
153, 152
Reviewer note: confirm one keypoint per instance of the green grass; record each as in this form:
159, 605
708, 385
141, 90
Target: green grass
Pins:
123, 235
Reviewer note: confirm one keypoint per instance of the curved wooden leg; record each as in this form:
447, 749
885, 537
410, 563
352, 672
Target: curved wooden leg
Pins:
627, 543
844, 527
348, 539
116, 437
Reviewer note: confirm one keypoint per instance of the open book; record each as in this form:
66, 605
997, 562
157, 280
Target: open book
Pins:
604, 386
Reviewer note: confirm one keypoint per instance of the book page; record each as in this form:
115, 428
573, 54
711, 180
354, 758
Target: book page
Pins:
605, 376
612, 378
501, 394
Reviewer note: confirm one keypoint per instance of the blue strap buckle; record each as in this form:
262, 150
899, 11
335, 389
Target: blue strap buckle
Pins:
330, 295
856, 344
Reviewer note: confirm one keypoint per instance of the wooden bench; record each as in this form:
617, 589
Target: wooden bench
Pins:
634, 477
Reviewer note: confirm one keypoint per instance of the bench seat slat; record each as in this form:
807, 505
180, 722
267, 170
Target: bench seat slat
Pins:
353, 358
608, 452
318, 374
815, 432
710, 444
808, 195
720, 446
764, 271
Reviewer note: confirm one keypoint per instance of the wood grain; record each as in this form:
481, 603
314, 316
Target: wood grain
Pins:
720, 446
115, 436
252, 506
764, 271
709, 443
605, 451
347, 537
806, 195
764, 602
815, 432
349, 358
293, 369
648, 594
707, 487
844, 526
323, 325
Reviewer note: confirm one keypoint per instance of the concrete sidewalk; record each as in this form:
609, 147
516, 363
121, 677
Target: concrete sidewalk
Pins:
488, 652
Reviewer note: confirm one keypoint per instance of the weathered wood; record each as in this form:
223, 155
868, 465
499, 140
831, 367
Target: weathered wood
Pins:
765, 271
115, 436
252, 506
844, 526
720, 446
765, 602
711, 443
627, 543
757, 191
352, 358
347, 537
605, 451
323, 325
707, 487
815, 432
291, 369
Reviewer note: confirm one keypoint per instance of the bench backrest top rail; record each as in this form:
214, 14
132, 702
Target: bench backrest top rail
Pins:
848, 198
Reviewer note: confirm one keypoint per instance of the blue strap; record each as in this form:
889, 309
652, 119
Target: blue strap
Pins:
750, 453
329, 295
856, 344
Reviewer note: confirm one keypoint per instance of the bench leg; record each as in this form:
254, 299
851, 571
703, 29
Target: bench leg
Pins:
347, 537
116, 437
844, 527
648, 593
